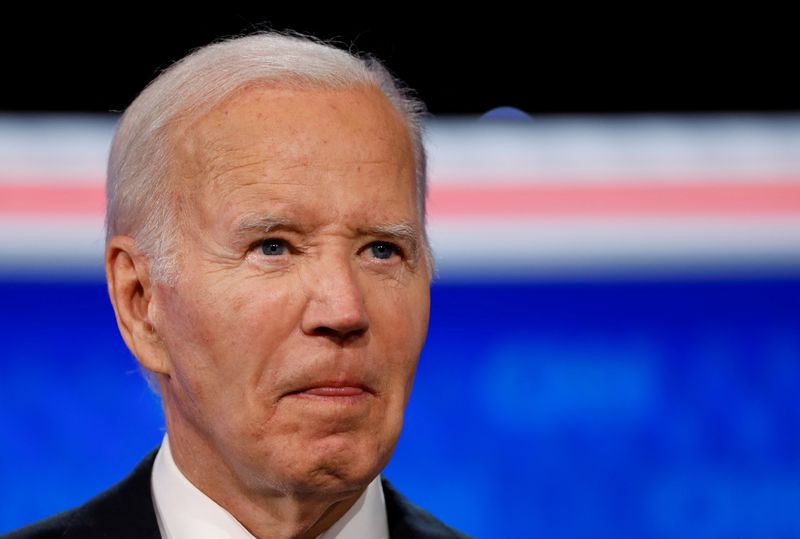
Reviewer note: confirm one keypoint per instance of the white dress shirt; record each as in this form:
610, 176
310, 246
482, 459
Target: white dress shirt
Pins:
184, 512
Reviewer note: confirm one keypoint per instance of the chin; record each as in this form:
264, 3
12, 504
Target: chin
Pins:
338, 466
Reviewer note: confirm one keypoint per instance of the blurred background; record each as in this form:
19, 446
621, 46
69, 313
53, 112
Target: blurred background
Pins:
615, 211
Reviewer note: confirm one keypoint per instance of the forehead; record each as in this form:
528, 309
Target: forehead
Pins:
265, 138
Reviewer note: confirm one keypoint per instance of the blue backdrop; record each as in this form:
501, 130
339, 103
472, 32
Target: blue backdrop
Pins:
586, 409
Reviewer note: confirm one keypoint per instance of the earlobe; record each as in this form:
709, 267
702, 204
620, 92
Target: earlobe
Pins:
130, 291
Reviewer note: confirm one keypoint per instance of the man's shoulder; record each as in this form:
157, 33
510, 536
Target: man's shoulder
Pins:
124, 510
407, 520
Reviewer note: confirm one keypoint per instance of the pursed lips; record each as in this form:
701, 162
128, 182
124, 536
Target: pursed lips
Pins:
333, 389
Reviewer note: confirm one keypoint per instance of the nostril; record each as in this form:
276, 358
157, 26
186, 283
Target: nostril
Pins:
326, 332
338, 335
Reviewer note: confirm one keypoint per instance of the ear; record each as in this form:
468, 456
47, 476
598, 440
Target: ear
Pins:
129, 287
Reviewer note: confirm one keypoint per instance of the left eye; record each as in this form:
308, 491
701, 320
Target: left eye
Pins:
383, 250
273, 247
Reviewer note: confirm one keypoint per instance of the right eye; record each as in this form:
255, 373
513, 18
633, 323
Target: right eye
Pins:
273, 247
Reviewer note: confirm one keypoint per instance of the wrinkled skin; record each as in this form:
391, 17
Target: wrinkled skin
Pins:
286, 349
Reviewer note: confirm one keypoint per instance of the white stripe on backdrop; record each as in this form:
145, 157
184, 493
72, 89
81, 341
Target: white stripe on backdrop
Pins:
557, 196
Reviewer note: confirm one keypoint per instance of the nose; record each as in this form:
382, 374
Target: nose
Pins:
335, 307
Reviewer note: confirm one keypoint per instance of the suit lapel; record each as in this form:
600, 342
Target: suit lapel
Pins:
407, 521
125, 511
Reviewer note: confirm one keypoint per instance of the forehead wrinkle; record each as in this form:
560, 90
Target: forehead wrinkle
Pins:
220, 169
207, 151
214, 145
234, 168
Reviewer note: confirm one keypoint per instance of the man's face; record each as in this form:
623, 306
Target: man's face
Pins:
301, 307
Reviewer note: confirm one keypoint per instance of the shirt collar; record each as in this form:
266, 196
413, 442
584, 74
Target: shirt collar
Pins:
184, 511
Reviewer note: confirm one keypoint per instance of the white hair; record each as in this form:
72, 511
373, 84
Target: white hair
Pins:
140, 196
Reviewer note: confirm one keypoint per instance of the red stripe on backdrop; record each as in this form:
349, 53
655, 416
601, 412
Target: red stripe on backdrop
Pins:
491, 201
55, 200
614, 199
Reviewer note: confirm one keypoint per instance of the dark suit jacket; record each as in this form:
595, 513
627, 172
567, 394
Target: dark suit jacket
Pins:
125, 511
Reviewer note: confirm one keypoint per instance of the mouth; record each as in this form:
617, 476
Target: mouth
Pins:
333, 389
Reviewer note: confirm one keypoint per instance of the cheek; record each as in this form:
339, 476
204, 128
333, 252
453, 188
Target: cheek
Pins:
400, 316
419, 307
218, 337
181, 323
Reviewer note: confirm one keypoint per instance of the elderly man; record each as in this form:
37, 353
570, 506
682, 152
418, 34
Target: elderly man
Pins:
269, 268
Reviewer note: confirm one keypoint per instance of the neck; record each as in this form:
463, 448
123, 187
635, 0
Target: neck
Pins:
265, 512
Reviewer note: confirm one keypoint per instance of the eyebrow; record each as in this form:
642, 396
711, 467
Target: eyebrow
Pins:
404, 233
248, 224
